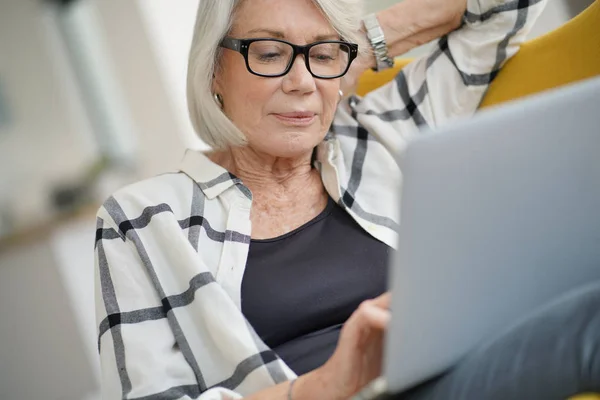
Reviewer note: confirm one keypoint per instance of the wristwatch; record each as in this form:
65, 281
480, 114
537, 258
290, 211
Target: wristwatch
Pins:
377, 40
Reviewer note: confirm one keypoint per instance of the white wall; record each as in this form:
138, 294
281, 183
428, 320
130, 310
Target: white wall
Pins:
48, 340
147, 90
49, 137
72, 246
43, 352
170, 31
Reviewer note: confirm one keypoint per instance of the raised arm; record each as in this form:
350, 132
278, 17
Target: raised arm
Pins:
407, 25
449, 82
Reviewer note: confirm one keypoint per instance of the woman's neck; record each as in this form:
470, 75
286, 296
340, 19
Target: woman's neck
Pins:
286, 192
276, 180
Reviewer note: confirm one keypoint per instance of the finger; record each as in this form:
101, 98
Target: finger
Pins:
383, 300
375, 316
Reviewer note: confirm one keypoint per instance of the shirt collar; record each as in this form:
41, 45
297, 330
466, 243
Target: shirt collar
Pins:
211, 177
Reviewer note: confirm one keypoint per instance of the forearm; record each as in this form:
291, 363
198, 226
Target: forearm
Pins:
412, 23
451, 81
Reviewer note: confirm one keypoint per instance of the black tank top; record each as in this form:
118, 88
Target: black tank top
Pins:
299, 289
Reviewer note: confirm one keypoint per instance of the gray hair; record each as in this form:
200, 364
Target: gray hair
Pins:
213, 22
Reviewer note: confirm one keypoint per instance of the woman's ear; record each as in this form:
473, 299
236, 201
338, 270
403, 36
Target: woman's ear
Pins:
216, 86
216, 89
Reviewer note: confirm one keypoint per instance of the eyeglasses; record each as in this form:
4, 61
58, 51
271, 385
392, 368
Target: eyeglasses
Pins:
272, 58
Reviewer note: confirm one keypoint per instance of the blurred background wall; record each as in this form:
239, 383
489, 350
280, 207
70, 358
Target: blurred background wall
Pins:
92, 97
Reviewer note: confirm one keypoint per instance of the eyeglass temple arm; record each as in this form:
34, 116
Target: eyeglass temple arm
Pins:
232, 44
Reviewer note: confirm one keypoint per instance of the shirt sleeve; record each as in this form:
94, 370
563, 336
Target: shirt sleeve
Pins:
139, 354
449, 82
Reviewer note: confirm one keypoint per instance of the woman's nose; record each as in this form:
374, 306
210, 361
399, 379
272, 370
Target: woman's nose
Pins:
299, 78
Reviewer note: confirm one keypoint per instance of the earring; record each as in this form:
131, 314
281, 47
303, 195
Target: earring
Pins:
341, 93
218, 99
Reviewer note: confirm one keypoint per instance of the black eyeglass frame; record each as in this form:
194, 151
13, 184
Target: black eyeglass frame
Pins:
243, 45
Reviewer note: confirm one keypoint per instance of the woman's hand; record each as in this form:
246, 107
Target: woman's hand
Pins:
407, 25
358, 356
355, 362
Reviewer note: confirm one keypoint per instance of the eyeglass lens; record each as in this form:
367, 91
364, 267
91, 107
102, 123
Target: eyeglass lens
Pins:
269, 57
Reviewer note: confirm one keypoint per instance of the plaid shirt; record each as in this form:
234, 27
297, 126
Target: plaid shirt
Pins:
171, 251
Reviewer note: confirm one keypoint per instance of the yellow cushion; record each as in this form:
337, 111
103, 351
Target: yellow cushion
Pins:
371, 80
567, 54
587, 397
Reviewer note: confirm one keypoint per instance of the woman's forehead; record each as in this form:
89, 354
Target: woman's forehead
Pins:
284, 19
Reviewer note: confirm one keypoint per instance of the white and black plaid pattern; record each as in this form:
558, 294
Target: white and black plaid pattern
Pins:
171, 251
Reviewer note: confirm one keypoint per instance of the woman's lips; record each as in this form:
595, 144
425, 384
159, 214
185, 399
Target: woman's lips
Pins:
296, 118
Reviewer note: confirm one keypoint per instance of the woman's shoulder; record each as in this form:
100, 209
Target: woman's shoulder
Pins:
170, 192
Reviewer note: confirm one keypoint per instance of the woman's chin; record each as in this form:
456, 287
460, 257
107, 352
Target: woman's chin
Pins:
289, 143
295, 147
300, 142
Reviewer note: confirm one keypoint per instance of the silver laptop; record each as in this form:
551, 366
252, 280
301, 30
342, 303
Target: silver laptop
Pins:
500, 215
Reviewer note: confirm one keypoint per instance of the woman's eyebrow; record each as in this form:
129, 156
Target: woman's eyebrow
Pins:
281, 35
270, 32
329, 36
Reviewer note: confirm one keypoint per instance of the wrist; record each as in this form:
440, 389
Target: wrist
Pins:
367, 59
317, 384
378, 42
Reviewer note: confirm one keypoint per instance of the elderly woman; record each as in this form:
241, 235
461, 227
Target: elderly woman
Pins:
259, 268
